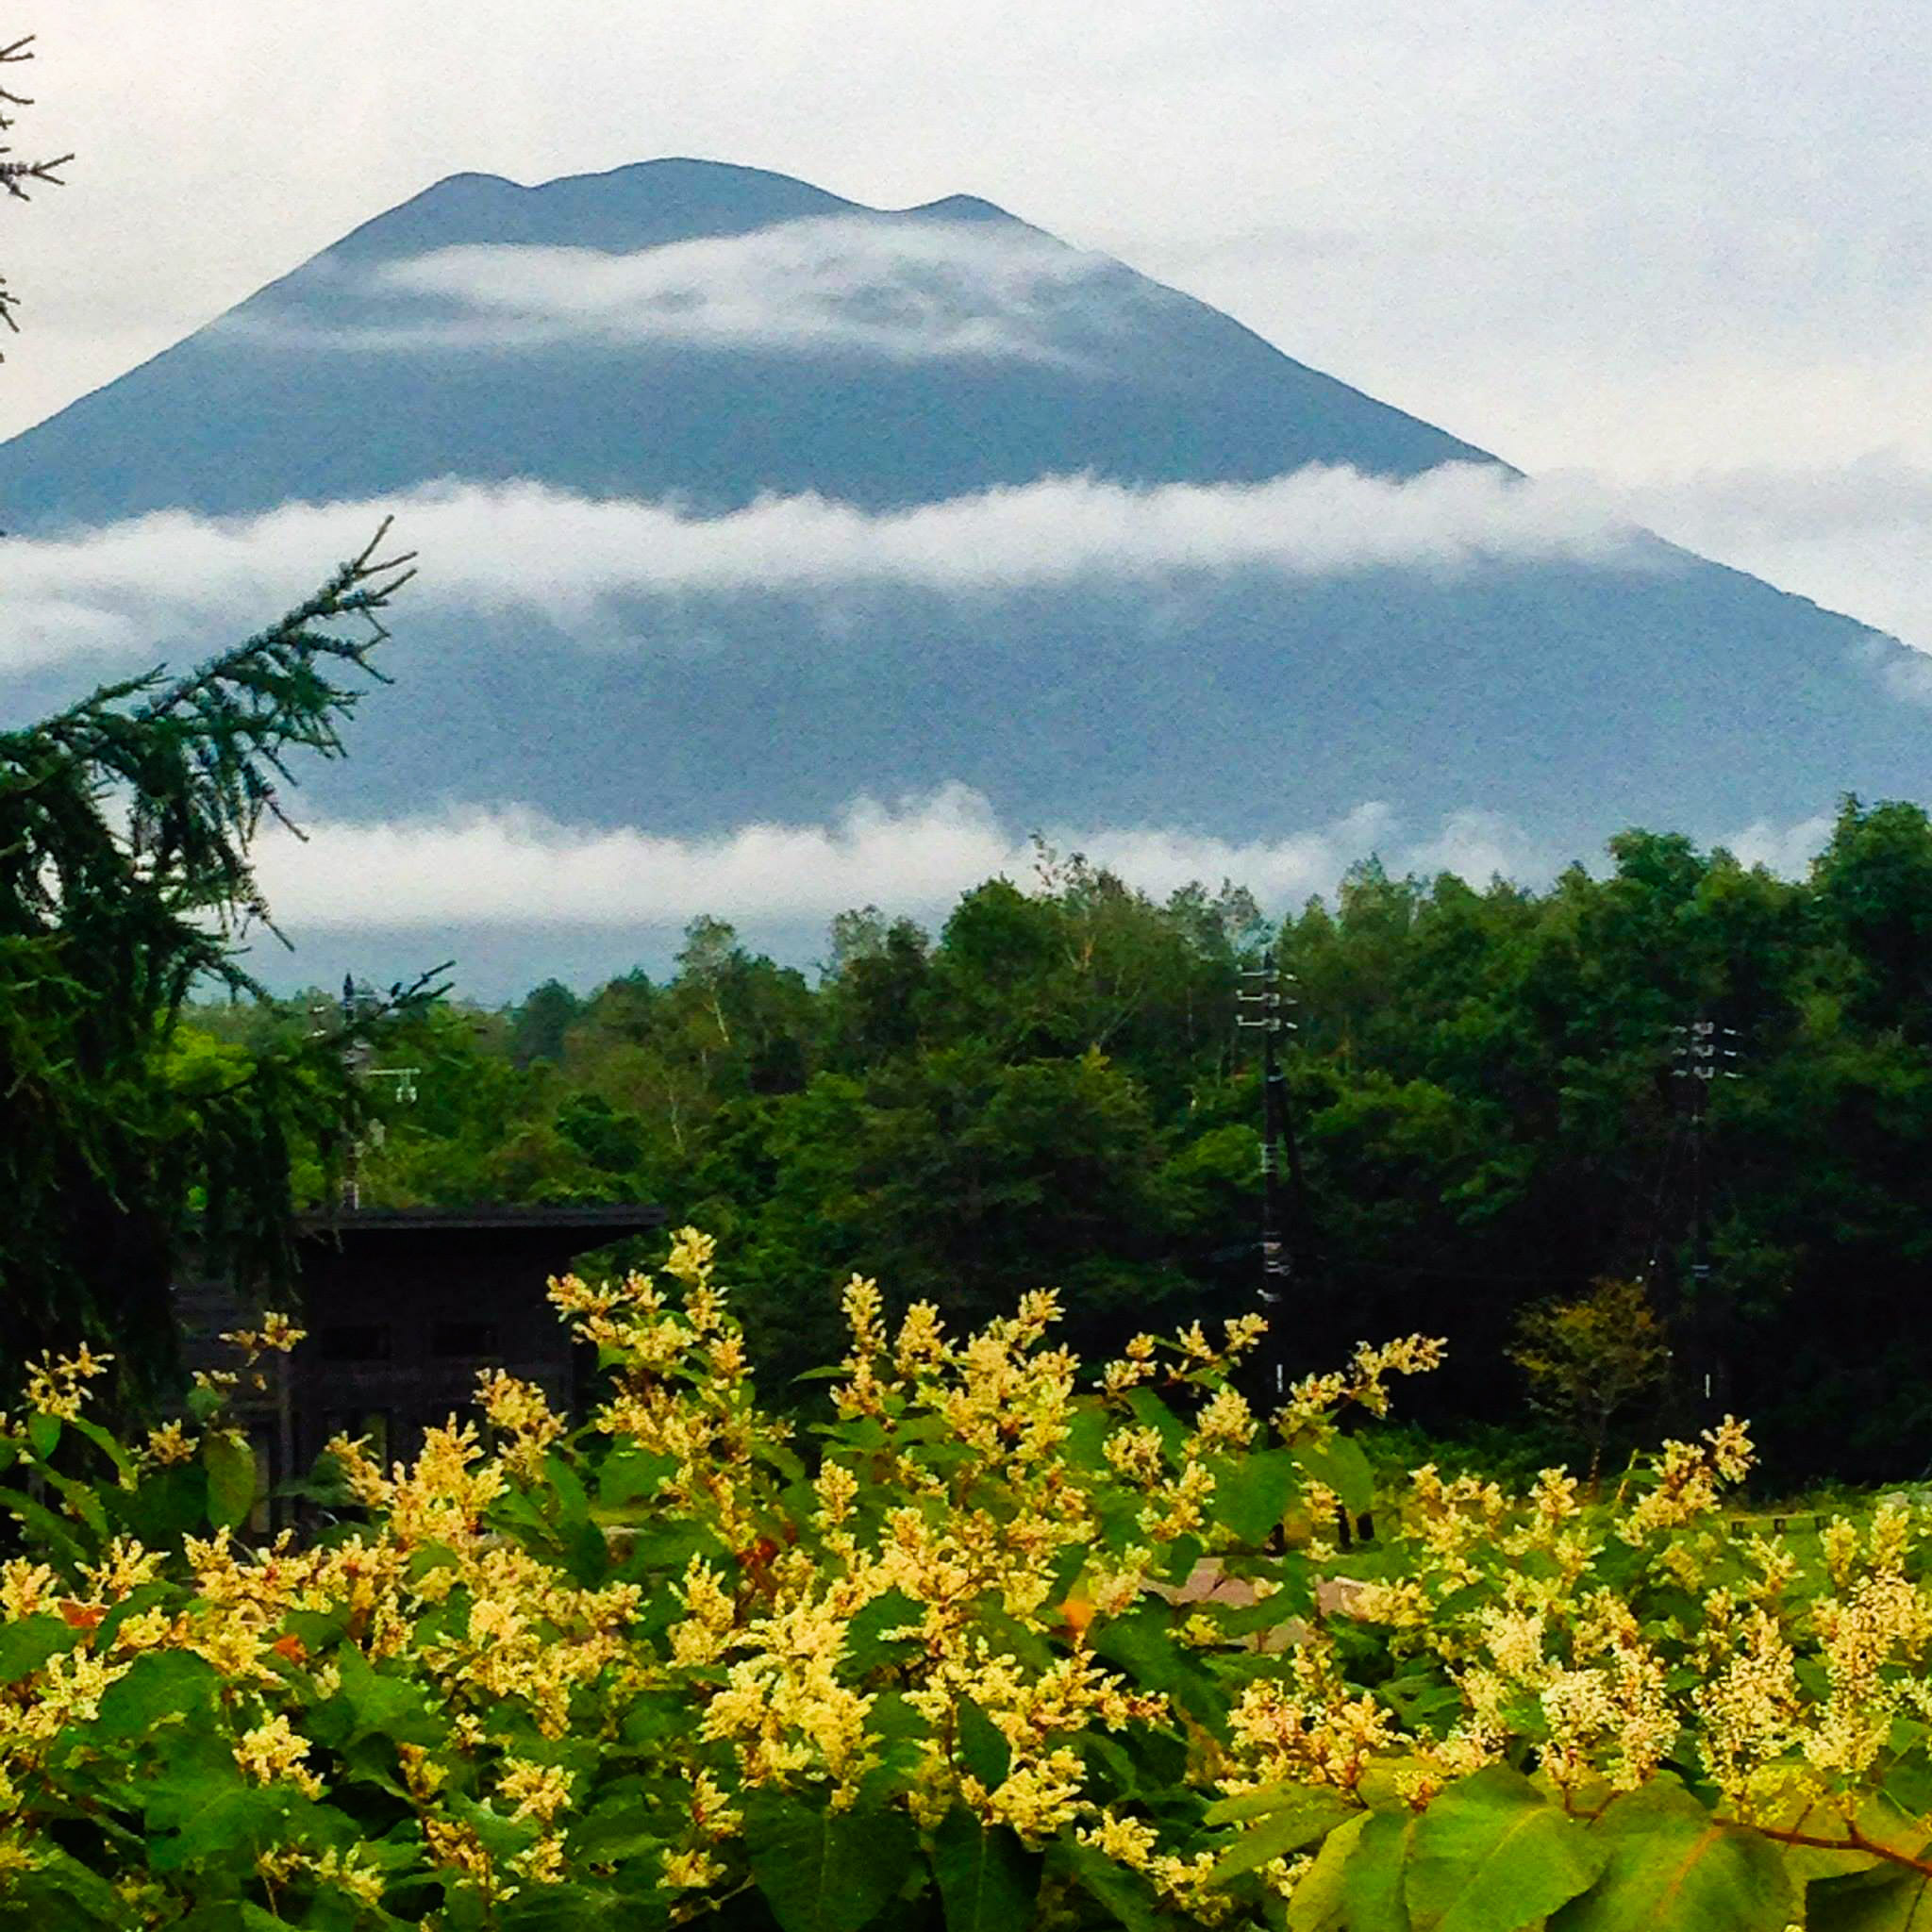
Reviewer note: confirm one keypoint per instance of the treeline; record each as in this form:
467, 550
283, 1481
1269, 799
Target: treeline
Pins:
1051, 1089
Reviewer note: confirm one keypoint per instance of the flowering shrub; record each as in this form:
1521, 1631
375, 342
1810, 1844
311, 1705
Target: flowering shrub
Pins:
995, 1652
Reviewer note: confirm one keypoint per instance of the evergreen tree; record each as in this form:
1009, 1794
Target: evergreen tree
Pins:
125, 823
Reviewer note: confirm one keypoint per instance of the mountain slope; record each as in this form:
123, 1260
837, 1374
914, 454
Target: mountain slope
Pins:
700, 340
268, 404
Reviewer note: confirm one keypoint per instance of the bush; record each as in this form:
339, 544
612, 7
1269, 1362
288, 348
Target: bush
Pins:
995, 1652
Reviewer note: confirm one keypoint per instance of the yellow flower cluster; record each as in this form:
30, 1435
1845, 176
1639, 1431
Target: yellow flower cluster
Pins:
57, 1387
277, 1335
984, 1591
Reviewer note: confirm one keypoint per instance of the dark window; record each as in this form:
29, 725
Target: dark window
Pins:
463, 1338
365, 1341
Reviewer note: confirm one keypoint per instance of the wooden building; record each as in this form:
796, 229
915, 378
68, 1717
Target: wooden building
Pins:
404, 1309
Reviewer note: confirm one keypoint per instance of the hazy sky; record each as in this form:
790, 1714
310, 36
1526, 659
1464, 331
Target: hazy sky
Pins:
1685, 247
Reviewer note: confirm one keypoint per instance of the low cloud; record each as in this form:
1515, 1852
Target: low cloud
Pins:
515, 867
907, 288
1854, 537
526, 548
1787, 850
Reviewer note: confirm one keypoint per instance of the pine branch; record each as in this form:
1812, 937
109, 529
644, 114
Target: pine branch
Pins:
194, 762
15, 174
12, 173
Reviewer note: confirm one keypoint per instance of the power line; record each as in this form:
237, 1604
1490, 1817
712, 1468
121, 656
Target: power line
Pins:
1702, 1048
1261, 1006
358, 1009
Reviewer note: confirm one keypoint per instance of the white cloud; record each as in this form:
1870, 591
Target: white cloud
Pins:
911, 289
1854, 537
1786, 849
523, 546
1479, 845
516, 867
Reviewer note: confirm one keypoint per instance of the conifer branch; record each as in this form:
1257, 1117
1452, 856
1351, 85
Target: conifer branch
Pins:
15, 174
197, 760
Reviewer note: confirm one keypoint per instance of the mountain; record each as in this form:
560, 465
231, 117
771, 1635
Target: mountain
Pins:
278, 399
737, 500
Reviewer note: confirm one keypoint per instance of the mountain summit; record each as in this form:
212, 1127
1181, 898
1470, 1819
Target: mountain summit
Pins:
735, 499
714, 332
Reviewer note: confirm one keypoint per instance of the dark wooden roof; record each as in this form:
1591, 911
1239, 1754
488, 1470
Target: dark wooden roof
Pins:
612, 1220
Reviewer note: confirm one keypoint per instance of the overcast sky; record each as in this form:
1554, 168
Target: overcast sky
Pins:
1684, 247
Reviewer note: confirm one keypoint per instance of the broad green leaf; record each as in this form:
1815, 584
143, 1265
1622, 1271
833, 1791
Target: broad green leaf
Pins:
629, 1473
1867, 1904
1009, 1636
1252, 1492
316, 1630
191, 1818
987, 1878
1339, 1465
1317, 1901
215, 1915
1373, 1883
825, 1871
670, 1545
1142, 1643
1285, 1830
1124, 1894
83, 1500
231, 1478
866, 1647
579, 1908
570, 1506
503, 1837
385, 1706
26, 1645
169, 1505
1491, 1854
44, 1433
1267, 1798
105, 1442
1180, 1560
1153, 1413
1675, 1868
61, 1893
1088, 1429
781, 1458
42, 1525
161, 1687
617, 1829
983, 1747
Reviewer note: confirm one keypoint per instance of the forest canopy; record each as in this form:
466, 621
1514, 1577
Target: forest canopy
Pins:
1051, 1089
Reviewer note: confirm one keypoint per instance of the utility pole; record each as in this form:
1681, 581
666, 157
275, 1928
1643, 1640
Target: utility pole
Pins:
1701, 1050
357, 1005
1260, 1006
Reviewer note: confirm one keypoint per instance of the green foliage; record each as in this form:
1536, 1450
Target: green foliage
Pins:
1492, 1853
1048, 1089
822, 1870
1588, 1359
1670, 1863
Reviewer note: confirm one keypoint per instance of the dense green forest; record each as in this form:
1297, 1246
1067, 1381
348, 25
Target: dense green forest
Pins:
1051, 1089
